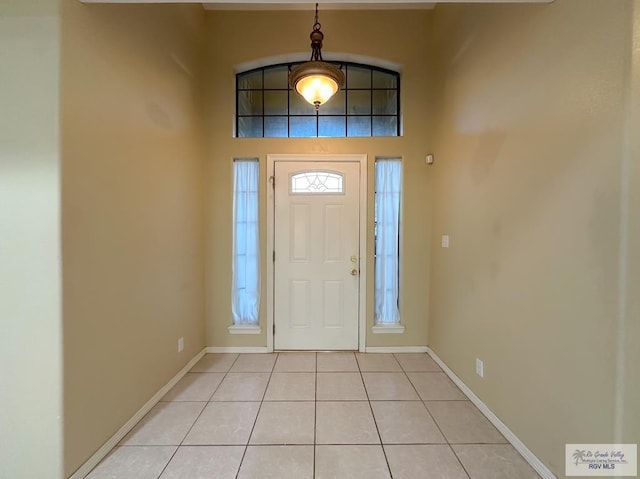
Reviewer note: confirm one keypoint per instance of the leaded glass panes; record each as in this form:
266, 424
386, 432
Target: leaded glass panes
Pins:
359, 102
368, 105
250, 81
302, 126
275, 126
250, 127
275, 102
332, 126
276, 78
358, 77
384, 80
335, 106
313, 182
385, 102
299, 106
359, 126
384, 125
249, 103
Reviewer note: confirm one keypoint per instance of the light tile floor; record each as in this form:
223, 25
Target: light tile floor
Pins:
314, 416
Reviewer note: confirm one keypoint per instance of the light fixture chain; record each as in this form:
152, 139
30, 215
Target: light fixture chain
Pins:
316, 39
316, 23
316, 80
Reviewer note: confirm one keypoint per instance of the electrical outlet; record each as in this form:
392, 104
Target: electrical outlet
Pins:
180, 345
480, 367
445, 241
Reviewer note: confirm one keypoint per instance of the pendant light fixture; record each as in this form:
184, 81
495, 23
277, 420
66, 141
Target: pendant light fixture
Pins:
316, 80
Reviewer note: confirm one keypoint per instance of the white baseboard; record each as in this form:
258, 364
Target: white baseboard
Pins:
234, 349
372, 349
529, 456
396, 349
113, 441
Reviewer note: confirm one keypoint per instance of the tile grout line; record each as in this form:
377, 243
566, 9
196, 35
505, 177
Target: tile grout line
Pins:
315, 402
384, 452
315, 417
467, 399
448, 444
244, 453
198, 417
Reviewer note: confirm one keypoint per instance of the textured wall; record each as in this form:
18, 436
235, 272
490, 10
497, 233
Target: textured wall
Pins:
132, 210
530, 146
399, 37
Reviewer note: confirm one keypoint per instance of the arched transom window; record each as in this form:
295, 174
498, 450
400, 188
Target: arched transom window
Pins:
267, 106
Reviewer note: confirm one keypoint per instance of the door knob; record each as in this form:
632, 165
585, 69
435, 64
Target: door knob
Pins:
354, 272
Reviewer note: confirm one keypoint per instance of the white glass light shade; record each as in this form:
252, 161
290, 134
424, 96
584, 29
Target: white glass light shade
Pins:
317, 89
317, 81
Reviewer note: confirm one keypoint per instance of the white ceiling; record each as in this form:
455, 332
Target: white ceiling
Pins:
325, 5
330, 5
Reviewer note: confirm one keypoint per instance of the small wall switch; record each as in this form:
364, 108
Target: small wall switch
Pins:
445, 241
180, 345
429, 159
480, 367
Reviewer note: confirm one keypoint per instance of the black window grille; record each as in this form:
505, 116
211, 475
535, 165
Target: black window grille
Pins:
267, 106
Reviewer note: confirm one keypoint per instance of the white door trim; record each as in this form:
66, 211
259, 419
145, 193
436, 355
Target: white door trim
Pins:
362, 302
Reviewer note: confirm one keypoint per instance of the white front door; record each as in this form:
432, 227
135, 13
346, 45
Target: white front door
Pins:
316, 255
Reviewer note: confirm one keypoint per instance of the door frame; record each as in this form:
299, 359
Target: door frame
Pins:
362, 280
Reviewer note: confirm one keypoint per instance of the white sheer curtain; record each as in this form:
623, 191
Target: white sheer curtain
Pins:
387, 211
246, 245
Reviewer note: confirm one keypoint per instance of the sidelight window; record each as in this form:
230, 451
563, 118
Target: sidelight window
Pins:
388, 193
246, 245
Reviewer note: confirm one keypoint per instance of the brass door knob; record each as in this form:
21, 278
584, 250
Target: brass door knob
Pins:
354, 272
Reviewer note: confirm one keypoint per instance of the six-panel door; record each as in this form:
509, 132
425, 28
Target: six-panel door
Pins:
317, 255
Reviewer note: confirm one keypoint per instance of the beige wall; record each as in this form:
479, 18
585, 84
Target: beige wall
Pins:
30, 271
628, 425
537, 175
528, 184
235, 38
132, 207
